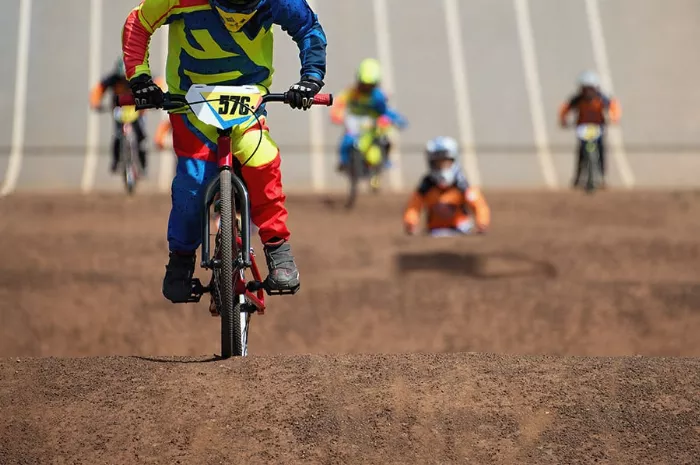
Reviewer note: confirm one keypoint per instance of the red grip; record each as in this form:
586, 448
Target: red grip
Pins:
126, 99
323, 99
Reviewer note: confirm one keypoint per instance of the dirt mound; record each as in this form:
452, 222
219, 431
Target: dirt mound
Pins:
455, 408
559, 274
564, 274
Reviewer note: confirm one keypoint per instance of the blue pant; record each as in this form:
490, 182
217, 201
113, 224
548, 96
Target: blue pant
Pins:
346, 145
189, 185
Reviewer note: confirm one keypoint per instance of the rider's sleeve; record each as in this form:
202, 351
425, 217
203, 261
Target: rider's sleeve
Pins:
396, 118
412, 214
477, 203
614, 109
138, 28
96, 95
564, 110
98, 91
163, 130
380, 105
297, 19
338, 109
415, 205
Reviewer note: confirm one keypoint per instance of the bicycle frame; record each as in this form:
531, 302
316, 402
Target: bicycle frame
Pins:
589, 135
225, 162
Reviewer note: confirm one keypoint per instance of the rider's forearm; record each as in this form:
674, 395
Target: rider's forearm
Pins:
411, 215
564, 112
395, 117
312, 52
136, 34
297, 19
135, 39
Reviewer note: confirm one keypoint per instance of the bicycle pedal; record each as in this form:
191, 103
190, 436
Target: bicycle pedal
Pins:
272, 292
198, 290
255, 286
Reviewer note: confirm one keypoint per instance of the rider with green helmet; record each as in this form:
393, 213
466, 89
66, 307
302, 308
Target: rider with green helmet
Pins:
365, 98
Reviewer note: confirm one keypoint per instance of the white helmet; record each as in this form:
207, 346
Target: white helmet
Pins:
442, 148
589, 79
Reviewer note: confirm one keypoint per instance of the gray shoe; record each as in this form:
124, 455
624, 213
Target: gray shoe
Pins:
284, 275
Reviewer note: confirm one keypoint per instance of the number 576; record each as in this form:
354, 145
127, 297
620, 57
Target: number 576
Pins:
232, 104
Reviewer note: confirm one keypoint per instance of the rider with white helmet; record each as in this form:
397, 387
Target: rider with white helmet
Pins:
591, 107
442, 154
589, 79
452, 205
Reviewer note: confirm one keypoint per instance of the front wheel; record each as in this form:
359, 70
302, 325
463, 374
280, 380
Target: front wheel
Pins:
591, 168
229, 310
355, 174
129, 153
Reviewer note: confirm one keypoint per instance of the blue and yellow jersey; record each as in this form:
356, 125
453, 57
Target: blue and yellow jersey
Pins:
374, 104
206, 48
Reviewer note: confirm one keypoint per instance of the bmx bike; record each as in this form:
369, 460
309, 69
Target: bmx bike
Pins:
236, 286
368, 155
591, 169
129, 164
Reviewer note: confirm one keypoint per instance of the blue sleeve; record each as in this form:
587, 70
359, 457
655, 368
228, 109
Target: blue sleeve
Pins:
297, 19
379, 104
396, 118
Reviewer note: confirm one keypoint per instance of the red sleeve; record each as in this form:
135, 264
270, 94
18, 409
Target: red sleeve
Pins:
135, 39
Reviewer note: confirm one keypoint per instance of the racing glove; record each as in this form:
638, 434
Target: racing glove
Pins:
146, 93
301, 95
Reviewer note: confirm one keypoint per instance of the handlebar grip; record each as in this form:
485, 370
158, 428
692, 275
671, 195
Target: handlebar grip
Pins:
126, 100
323, 99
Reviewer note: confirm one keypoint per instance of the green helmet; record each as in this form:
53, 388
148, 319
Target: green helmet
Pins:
370, 72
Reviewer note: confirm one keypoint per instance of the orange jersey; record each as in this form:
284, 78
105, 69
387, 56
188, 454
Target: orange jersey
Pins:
447, 208
591, 111
162, 131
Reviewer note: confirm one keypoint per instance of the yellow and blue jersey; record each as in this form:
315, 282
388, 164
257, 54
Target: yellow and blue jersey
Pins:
206, 48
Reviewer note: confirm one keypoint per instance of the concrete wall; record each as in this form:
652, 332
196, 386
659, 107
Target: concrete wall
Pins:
649, 46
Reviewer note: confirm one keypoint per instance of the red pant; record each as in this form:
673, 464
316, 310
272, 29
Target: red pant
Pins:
197, 166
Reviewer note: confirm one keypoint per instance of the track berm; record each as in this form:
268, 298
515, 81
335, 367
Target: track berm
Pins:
566, 335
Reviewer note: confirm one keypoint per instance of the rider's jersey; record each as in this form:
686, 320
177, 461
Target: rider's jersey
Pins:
202, 50
591, 111
374, 104
447, 208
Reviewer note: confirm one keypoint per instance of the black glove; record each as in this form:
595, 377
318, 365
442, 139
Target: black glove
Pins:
146, 93
301, 95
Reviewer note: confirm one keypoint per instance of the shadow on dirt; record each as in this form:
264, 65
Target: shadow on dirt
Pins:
479, 266
178, 360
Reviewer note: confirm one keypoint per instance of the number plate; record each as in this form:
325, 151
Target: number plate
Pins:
588, 132
125, 114
224, 106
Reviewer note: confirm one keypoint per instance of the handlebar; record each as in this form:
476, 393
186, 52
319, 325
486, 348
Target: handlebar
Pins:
175, 102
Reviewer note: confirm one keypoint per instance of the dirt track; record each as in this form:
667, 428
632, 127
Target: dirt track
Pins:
559, 274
